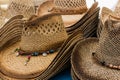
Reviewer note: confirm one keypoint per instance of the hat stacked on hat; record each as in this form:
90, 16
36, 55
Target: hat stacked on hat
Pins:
99, 59
41, 39
11, 29
73, 19
21, 7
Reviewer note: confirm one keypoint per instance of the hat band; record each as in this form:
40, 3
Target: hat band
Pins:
21, 52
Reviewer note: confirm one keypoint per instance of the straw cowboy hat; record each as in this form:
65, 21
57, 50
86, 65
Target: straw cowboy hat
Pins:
70, 9
21, 7
104, 15
72, 19
40, 36
105, 12
4, 13
95, 59
70, 12
117, 9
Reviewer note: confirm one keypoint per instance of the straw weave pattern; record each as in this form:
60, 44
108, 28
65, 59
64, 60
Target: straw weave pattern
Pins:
109, 44
22, 7
2, 17
46, 35
88, 68
70, 6
117, 9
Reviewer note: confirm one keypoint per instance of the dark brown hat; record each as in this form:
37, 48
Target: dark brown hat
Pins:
95, 59
84, 65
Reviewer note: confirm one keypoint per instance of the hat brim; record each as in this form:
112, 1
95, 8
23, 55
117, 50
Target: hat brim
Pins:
14, 66
11, 19
84, 65
74, 77
39, 67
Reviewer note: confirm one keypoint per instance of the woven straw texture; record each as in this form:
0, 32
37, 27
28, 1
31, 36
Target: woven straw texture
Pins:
70, 6
57, 64
109, 44
117, 9
84, 65
2, 17
68, 20
13, 66
63, 56
88, 23
103, 17
43, 34
21, 7
76, 20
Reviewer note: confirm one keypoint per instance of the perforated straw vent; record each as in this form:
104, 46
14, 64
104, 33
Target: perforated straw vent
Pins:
43, 34
23, 7
70, 6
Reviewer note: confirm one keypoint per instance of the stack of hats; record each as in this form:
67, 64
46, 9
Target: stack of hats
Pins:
98, 59
40, 47
72, 14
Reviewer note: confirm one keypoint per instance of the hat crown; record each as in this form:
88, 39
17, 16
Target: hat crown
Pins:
43, 34
111, 38
66, 7
23, 7
68, 4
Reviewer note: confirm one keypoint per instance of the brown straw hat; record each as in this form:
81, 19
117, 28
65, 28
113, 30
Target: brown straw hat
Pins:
40, 36
104, 16
105, 12
95, 59
74, 21
71, 10
60, 61
21, 7
117, 9
69, 6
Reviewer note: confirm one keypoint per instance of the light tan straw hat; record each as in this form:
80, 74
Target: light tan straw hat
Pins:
117, 9
70, 10
51, 67
95, 59
40, 36
21, 7
69, 6
74, 21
